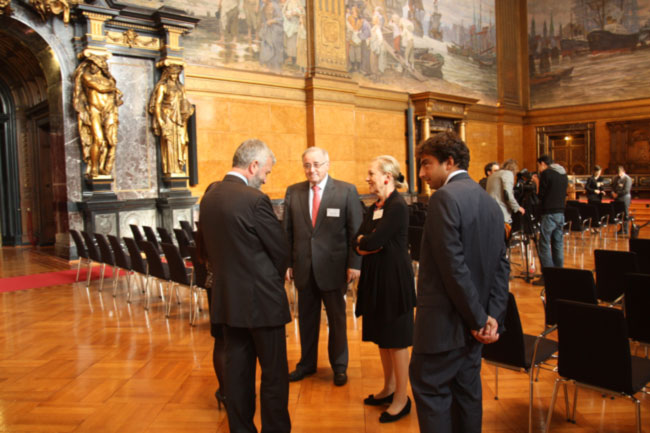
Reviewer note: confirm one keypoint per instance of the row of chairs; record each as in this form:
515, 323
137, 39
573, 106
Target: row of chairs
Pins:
584, 217
593, 340
164, 264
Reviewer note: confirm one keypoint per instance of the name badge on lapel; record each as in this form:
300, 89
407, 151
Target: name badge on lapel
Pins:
332, 212
377, 214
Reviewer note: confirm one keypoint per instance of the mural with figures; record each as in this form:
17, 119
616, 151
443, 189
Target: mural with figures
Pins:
260, 35
587, 51
447, 46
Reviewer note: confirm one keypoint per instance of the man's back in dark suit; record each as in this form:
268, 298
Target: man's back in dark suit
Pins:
322, 259
247, 250
462, 289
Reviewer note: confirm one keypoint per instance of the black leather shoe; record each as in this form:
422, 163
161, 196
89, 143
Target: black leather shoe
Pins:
221, 398
386, 417
372, 401
340, 379
299, 374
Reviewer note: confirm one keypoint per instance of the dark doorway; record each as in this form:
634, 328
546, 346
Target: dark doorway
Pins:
571, 146
9, 183
43, 217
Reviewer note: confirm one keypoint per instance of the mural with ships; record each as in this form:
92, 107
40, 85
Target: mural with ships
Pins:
588, 51
448, 46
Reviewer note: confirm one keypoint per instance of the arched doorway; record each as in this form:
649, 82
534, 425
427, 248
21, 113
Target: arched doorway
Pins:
32, 150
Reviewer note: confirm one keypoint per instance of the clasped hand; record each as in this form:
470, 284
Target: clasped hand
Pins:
488, 333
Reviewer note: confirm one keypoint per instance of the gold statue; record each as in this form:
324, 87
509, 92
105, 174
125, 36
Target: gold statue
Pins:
171, 109
54, 7
96, 99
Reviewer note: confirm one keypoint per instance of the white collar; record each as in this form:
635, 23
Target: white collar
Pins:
321, 184
239, 175
452, 174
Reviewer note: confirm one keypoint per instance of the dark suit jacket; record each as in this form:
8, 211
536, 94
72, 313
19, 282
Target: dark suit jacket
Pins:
463, 267
591, 186
622, 186
247, 250
327, 248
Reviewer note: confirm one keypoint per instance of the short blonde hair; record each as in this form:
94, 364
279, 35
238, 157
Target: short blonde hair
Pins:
387, 164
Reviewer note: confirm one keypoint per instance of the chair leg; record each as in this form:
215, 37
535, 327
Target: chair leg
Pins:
530, 398
78, 270
575, 404
193, 304
496, 382
637, 404
552, 406
89, 273
169, 298
116, 280
146, 292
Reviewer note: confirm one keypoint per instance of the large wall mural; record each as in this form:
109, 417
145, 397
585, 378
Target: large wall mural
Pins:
407, 45
417, 45
261, 35
587, 51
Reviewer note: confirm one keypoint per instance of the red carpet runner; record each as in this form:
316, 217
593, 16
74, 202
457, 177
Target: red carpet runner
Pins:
47, 279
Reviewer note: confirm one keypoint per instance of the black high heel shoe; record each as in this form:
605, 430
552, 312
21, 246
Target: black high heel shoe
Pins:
371, 400
386, 417
221, 398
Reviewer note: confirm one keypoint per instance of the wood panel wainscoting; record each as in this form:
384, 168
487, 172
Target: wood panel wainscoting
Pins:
77, 360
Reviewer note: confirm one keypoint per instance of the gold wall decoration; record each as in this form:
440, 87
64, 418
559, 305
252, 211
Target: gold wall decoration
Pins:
170, 110
45, 8
96, 98
5, 7
132, 39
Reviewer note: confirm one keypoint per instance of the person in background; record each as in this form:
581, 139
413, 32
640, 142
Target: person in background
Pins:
500, 186
386, 295
551, 190
594, 186
621, 192
489, 168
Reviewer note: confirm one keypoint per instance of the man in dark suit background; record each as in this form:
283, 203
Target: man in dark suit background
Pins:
621, 192
322, 259
247, 250
462, 290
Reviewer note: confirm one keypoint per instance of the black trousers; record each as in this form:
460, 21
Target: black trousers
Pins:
309, 311
244, 347
447, 390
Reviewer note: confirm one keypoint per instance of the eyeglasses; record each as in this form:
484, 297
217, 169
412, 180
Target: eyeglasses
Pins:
316, 165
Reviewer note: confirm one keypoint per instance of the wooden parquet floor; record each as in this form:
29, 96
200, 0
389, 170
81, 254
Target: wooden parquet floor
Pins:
77, 360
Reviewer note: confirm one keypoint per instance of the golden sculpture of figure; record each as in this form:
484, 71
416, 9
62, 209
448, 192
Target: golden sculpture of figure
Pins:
171, 109
54, 7
96, 99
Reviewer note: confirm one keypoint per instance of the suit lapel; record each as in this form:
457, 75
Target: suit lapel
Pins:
328, 193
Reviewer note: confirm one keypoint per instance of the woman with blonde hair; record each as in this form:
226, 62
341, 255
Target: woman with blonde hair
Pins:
386, 296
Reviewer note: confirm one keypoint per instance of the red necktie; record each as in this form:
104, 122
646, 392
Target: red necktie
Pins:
315, 204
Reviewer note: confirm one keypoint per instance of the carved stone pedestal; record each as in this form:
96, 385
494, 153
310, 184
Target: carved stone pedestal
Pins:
100, 207
175, 203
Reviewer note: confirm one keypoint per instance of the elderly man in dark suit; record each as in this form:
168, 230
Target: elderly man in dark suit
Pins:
321, 217
462, 290
621, 192
247, 250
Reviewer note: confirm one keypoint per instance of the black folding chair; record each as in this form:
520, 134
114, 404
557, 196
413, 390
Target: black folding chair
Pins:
137, 235
95, 255
151, 237
611, 267
517, 351
164, 235
178, 273
122, 262
642, 249
566, 283
138, 264
594, 352
185, 225
184, 242
157, 270
199, 282
82, 252
637, 308
107, 259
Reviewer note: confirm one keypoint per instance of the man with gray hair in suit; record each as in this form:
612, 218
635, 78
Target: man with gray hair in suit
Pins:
247, 251
321, 218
